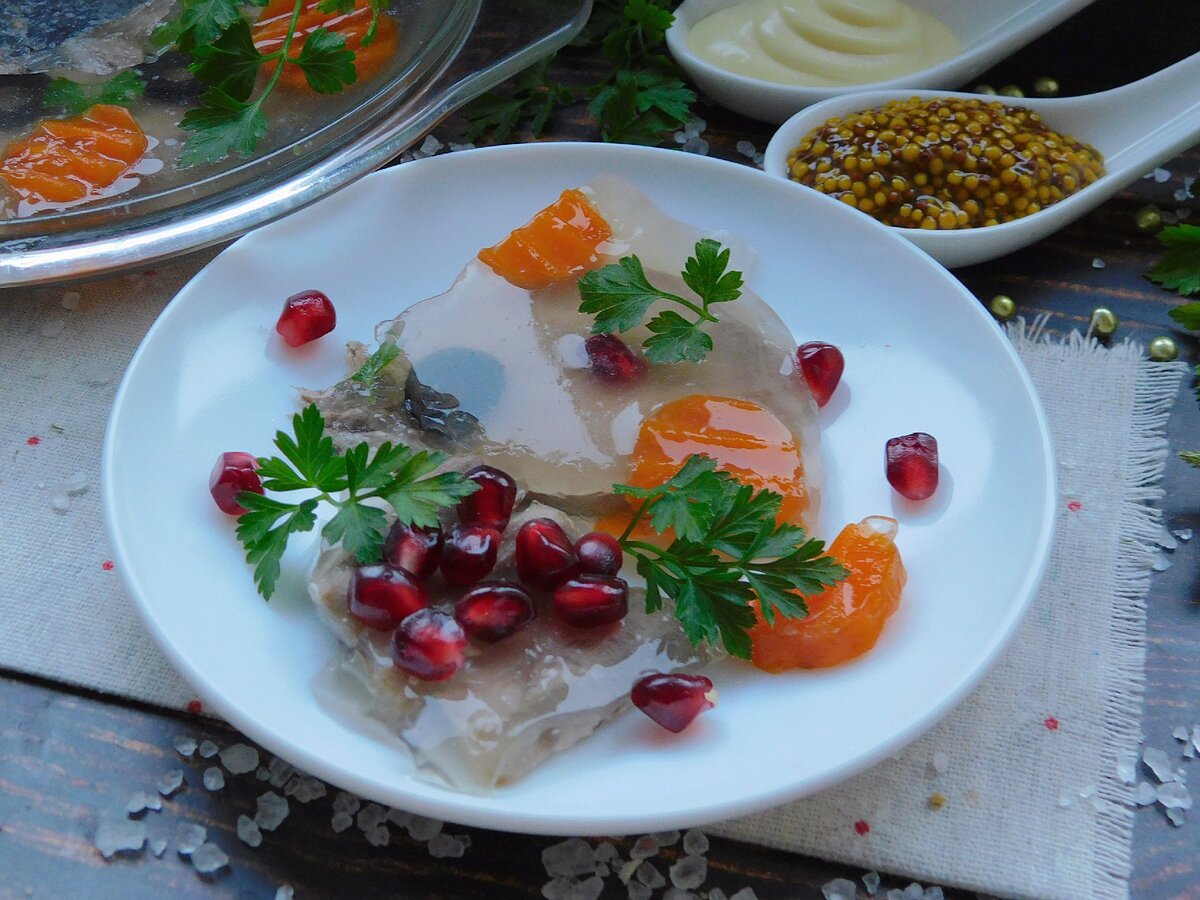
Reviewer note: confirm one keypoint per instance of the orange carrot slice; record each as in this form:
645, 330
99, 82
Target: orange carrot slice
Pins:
65, 160
272, 27
844, 620
560, 243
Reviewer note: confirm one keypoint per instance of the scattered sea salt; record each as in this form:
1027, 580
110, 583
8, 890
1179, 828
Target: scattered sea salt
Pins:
342, 802
170, 783
158, 846
1161, 562
1098, 263
606, 852
279, 772
1160, 175
1144, 794
690, 872
1184, 534
70, 300
871, 881
247, 832
935, 893
1180, 732
717, 894
214, 778
53, 328
208, 858
239, 759
914, 891
1127, 768
746, 148
556, 888
262, 774
679, 894
746, 893
839, 889
666, 838
1189, 751
285, 892
638, 891
1196, 736
588, 889
423, 829
1174, 795
568, 858
341, 821
1158, 763
650, 876
430, 145
695, 842
120, 836
271, 810
697, 145
625, 873
208, 749
1176, 815
189, 836
371, 815
59, 501
398, 817
940, 761
309, 789
140, 801
444, 846
1065, 797
379, 836
644, 847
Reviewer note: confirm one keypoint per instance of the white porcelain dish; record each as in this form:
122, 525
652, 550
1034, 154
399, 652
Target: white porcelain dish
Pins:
211, 376
1135, 127
988, 30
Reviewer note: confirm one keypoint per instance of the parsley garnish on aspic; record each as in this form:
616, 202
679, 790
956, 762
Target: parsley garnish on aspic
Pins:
619, 295
1179, 269
727, 550
401, 477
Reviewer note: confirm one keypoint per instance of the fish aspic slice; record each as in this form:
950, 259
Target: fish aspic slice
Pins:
514, 703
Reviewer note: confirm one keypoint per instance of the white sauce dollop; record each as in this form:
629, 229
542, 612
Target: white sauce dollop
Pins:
821, 43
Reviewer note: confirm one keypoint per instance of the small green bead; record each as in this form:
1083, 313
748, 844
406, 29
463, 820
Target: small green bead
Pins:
1104, 322
1148, 220
1046, 87
1163, 349
1003, 307
1011, 90
983, 89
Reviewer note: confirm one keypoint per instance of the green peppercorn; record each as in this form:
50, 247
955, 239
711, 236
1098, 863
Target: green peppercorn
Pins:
1003, 307
1148, 220
1104, 322
983, 89
1046, 87
1163, 349
1011, 90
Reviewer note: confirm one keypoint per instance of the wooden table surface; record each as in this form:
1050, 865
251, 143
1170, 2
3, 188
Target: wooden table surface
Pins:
69, 756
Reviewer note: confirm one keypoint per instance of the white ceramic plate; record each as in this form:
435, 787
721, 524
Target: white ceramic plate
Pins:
988, 30
921, 354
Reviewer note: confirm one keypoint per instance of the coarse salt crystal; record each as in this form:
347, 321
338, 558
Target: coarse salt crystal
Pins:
1144, 794
839, 889
606, 852
697, 145
285, 892
935, 893
625, 873
184, 746
208, 858
695, 842
398, 817
914, 891
371, 815
690, 872
588, 889
379, 836
1127, 768
644, 847
746, 893
1161, 175
158, 846
648, 875
1066, 797
270, 811
239, 759
871, 881
423, 829
214, 778
1176, 815
678, 894
556, 888
1098, 263
638, 891
1172, 794
208, 749
343, 801
1158, 763
247, 832
1184, 534
444, 846
568, 858
940, 761
341, 821
189, 836
1180, 732
170, 782
115, 836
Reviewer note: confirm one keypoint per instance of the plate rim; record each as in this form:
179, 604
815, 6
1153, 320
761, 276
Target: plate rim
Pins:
465, 808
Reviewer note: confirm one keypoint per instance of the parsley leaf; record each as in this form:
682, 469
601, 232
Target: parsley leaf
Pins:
531, 96
393, 474
74, 98
203, 21
1187, 315
1179, 269
327, 65
222, 125
619, 295
229, 63
727, 551
641, 106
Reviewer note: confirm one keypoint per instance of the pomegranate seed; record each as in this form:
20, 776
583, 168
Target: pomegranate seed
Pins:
492, 504
429, 644
469, 554
599, 553
305, 317
380, 596
233, 473
493, 610
612, 360
912, 465
416, 550
673, 701
588, 601
545, 557
821, 365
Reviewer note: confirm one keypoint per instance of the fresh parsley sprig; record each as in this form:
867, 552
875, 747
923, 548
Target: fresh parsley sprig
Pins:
401, 477
230, 118
74, 97
619, 296
1179, 269
727, 551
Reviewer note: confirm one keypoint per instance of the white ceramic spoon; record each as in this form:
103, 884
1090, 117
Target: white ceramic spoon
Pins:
1136, 127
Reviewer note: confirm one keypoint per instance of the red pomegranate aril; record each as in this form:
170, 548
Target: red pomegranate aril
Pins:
912, 465
599, 553
416, 550
429, 644
493, 610
589, 601
381, 596
673, 700
492, 504
545, 557
469, 554
306, 316
821, 365
233, 473
612, 360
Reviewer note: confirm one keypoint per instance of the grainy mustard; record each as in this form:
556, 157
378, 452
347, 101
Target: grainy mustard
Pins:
943, 164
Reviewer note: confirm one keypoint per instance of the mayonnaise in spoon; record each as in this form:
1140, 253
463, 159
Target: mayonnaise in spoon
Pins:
1135, 127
